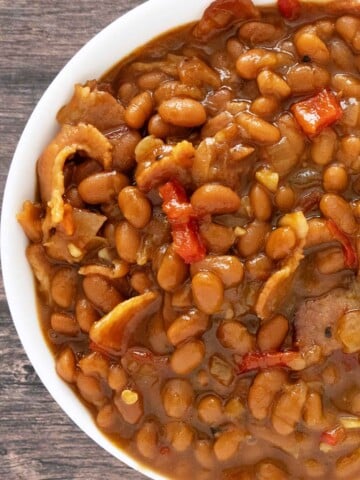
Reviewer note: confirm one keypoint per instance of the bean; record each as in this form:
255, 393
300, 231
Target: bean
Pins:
127, 241
171, 89
216, 124
66, 365
204, 453
101, 293
117, 377
179, 434
349, 152
309, 44
127, 91
94, 365
280, 243
272, 84
339, 210
227, 267
304, 79
348, 27
348, 331
341, 55
330, 260
172, 271
313, 411
251, 62
139, 110
259, 32
269, 471
182, 112
130, 405
182, 297
335, 178
210, 410
234, 48
102, 187
191, 324
64, 323
347, 84
64, 287
318, 232
264, 106
285, 198
135, 206
187, 357
314, 469
234, 335
217, 238
260, 202
85, 314
123, 153
193, 71
151, 80
272, 334
147, 440
90, 389
177, 397
161, 129
215, 199
255, 129
156, 335
288, 408
259, 267
227, 444
208, 292
265, 386
107, 417
254, 239
348, 466
141, 282
234, 409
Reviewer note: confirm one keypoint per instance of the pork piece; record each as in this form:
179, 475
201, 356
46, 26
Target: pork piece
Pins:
316, 320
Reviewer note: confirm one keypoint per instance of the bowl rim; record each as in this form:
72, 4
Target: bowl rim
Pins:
38, 131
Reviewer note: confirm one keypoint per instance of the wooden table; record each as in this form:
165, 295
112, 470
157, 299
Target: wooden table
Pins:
37, 440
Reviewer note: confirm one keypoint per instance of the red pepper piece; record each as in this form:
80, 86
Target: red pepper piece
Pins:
256, 361
350, 255
289, 9
334, 436
317, 113
221, 14
184, 222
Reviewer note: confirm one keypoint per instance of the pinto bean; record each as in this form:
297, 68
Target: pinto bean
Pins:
64, 323
127, 241
179, 434
183, 112
285, 198
259, 32
269, 471
348, 466
151, 80
130, 405
265, 386
234, 335
90, 389
288, 408
308, 43
95, 365
66, 365
260, 202
85, 314
227, 444
117, 378
177, 397
193, 71
147, 440
210, 410
313, 411
204, 453
280, 243
256, 129
249, 64
135, 206
215, 199
172, 271
191, 324
259, 267
187, 357
227, 268
64, 286
254, 239
208, 292
272, 333
318, 232
330, 260
102, 187
304, 79
348, 331
339, 210
139, 110
217, 238
264, 106
335, 178
101, 292
270, 83
347, 84
348, 27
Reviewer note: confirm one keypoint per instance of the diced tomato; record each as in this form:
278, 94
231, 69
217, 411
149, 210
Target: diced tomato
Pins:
289, 9
221, 14
334, 436
350, 255
256, 361
317, 113
184, 222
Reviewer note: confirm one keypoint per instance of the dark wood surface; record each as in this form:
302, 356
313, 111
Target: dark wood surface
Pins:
37, 440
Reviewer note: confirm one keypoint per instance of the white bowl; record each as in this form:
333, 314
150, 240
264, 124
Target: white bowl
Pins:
113, 43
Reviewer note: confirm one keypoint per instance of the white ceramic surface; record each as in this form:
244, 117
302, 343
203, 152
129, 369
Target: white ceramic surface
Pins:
114, 42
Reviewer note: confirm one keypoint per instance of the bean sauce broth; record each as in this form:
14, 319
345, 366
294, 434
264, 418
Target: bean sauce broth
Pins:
195, 245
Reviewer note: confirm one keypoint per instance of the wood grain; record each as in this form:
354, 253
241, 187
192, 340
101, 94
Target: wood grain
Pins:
37, 440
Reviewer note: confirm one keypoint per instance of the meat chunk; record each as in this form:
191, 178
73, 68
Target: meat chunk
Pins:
316, 320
